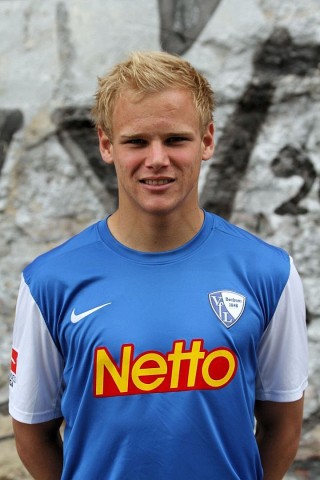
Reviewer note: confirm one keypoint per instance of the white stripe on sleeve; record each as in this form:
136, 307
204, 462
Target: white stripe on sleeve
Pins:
283, 352
36, 387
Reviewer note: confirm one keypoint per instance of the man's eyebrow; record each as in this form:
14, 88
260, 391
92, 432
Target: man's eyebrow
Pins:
167, 134
179, 133
128, 136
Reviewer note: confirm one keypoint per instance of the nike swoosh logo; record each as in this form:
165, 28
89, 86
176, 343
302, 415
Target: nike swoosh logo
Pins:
76, 318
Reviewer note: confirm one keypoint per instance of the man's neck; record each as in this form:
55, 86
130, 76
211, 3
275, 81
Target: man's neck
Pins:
152, 233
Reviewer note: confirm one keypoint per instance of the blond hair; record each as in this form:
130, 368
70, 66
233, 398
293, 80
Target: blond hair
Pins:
151, 72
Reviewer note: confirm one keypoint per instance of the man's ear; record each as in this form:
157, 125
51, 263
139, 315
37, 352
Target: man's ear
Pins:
105, 146
208, 142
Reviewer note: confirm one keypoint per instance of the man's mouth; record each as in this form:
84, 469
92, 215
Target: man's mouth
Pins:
160, 181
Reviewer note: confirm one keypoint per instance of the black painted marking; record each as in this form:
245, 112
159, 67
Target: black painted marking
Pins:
181, 22
65, 49
76, 122
234, 149
276, 57
292, 161
10, 122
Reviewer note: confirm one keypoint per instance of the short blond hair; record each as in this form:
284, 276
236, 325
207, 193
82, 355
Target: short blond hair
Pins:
151, 72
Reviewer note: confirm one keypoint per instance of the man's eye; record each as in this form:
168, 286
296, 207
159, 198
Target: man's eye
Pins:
136, 141
173, 140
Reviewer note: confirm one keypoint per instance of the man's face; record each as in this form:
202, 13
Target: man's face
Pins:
157, 149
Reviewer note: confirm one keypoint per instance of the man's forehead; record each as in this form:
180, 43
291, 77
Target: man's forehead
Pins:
167, 104
163, 107
134, 95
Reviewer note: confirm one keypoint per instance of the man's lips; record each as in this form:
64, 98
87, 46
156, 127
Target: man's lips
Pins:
156, 181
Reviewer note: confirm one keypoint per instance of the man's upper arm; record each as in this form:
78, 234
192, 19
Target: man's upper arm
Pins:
37, 432
40, 448
278, 433
287, 415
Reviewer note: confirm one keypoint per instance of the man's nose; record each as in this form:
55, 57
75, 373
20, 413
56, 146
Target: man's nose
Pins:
157, 156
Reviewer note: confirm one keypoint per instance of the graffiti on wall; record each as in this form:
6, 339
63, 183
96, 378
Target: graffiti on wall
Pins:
181, 22
277, 57
10, 122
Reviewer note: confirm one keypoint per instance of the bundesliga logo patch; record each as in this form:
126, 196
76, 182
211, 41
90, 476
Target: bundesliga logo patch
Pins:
14, 360
228, 306
13, 367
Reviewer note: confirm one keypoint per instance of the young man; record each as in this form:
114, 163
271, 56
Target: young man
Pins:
159, 333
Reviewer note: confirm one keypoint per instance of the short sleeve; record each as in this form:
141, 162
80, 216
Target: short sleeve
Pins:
36, 365
282, 374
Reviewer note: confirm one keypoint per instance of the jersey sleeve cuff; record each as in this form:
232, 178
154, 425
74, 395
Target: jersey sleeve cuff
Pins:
31, 418
283, 396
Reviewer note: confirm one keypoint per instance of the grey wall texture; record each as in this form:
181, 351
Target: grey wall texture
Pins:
263, 60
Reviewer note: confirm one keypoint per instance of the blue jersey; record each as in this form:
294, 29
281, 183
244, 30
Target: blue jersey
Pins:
155, 360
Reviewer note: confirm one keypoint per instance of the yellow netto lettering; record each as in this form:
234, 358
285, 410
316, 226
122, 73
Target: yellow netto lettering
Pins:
104, 361
218, 354
180, 369
139, 370
178, 354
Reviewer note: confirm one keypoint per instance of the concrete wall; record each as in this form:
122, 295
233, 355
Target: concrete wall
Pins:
262, 58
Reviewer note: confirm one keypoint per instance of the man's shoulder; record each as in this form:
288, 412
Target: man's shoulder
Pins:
245, 240
70, 251
249, 251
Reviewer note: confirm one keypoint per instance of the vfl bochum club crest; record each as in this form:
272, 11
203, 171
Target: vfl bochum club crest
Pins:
228, 306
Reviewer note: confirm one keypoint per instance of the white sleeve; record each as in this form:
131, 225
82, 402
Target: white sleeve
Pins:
36, 365
282, 374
